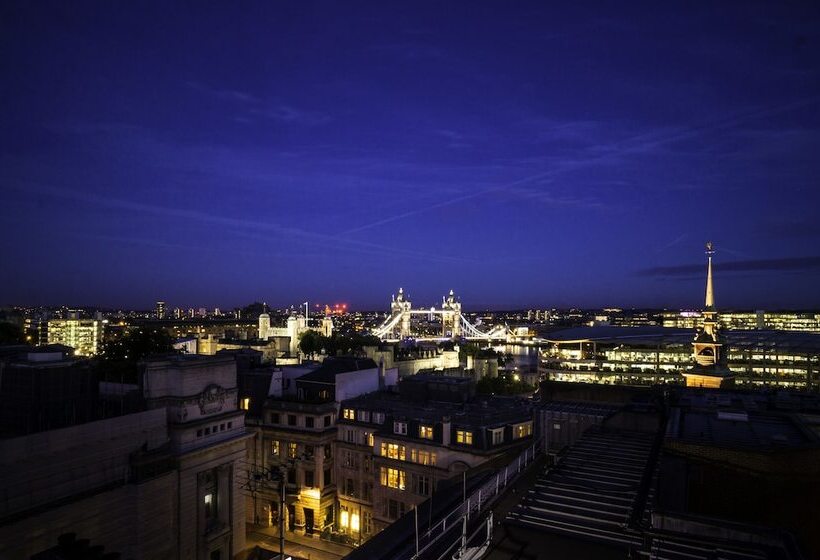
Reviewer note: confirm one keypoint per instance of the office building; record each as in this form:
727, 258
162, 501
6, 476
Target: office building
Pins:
85, 336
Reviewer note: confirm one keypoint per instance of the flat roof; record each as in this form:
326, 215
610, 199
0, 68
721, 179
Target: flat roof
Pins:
734, 428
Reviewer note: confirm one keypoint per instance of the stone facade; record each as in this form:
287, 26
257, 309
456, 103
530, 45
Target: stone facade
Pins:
160, 483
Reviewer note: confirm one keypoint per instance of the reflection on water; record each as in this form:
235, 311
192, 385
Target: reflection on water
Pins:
523, 357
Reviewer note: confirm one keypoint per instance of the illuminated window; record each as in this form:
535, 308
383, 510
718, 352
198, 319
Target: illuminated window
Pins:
245, 404
400, 428
426, 458
274, 447
522, 430
291, 450
349, 414
344, 518
392, 478
393, 451
426, 432
369, 438
464, 437
497, 436
354, 522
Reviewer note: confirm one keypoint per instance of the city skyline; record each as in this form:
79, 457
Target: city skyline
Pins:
528, 157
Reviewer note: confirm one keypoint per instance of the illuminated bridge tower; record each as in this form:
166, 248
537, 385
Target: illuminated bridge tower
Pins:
451, 316
708, 348
402, 306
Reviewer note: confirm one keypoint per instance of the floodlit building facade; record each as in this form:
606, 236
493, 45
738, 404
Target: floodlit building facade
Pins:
295, 437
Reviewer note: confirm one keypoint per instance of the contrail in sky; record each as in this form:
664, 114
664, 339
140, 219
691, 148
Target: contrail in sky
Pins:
615, 149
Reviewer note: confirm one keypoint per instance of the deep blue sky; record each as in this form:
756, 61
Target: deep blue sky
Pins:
522, 154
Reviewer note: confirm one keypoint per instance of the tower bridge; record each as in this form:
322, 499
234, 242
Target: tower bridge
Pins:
453, 324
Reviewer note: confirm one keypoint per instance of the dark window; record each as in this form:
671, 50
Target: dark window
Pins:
327, 476
291, 476
393, 509
274, 418
291, 419
327, 420
309, 422
207, 431
309, 479
328, 452
230, 425
222, 427
423, 486
308, 452
350, 487
199, 433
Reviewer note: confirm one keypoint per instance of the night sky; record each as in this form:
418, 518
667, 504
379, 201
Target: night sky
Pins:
524, 155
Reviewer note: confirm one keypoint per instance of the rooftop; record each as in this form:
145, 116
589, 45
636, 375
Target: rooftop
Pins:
333, 366
737, 428
481, 411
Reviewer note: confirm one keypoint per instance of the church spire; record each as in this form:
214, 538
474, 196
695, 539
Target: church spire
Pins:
710, 294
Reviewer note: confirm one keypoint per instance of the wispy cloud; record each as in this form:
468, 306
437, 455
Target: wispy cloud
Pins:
274, 232
796, 264
292, 115
251, 107
645, 143
229, 94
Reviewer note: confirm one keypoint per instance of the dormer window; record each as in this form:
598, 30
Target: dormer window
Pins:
400, 428
349, 414
426, 432
497, 436
464, 437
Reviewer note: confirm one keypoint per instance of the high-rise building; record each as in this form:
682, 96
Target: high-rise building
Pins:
84, 335
160, 310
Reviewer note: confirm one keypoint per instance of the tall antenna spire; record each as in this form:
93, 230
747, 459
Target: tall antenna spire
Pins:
710, 294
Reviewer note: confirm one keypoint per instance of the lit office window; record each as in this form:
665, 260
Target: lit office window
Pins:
426, 432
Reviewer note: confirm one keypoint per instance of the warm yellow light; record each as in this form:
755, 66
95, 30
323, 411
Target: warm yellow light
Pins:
516, 377
310, 493
246, 404
354, 522
343, 520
